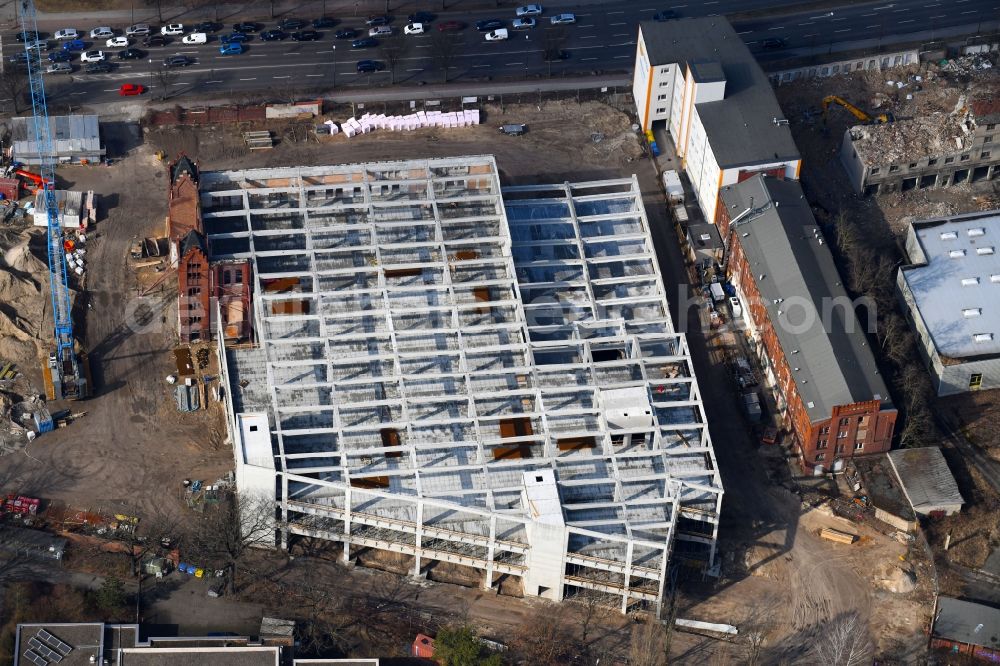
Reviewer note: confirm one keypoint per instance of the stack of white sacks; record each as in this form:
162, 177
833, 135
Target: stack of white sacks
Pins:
418, 120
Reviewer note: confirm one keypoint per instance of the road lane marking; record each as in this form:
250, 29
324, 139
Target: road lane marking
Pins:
310, 75
589, 37
941, 16
253, 79
509, 64
652, 9
745, 32
872, 14
624, 56
872, 26
477, 66
624, 34
585, 59
807, 23
777, 27
614, 24
418, 69
972, 11
812, 34
907, 21
221, 81
622, 12
844, 30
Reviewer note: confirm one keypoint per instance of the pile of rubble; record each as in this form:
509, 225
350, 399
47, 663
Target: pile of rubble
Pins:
966, 64
921, 136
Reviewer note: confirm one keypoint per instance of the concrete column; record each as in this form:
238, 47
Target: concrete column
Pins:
990, 172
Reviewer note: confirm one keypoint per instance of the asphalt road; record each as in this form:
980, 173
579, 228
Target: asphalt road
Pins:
602, 40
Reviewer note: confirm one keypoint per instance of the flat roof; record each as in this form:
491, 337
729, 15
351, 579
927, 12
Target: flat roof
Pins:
423, 336
967, 622
70, 134
200, 656
795, 274
75, 642
740, 127
954, 279
926, 479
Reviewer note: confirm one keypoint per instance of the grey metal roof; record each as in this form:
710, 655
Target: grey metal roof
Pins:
71, 135
955, 287
832, 364
966, 622
926, 480
740, 127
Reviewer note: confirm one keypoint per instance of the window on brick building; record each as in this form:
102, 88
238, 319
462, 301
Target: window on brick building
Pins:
194, 291
875, 170
893, 169
820, 457
825, 430
845, 421
932, 161
822, 444
842, 434
838, 449
913, 165
859, 446
964, 158
194, 272
238, 276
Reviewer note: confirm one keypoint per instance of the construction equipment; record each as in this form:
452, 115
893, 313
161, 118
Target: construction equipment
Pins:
65, 374
855, 111
37, 181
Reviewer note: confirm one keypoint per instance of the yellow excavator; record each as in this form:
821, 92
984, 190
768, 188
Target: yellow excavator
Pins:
855, 111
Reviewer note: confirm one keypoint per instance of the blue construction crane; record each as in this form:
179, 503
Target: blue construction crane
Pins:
65, 373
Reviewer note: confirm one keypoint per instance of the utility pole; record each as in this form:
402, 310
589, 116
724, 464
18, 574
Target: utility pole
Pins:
334, 66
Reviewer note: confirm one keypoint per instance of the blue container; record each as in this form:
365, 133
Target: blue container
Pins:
655, 149
182, 567
43, 422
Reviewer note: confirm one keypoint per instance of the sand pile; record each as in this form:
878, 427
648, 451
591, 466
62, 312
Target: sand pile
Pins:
24, 304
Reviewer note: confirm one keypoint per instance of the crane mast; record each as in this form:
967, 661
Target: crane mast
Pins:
67, 377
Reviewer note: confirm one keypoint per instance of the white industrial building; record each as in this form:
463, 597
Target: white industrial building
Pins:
457, 376
951, 292
698, 78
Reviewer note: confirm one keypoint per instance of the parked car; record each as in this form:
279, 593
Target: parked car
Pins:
324, 22
420, 17
666, 15
232, 48
292, 24
772, 43
369, 66
131, 90
102, 33
513, 129
306, 36
59, 68
380, 19
497, 35
28, 36
380, 31
528, 10
117, 42
487, 25
195, 38
66, 33
172, 29
60, 56
247, 26
346, 33
138, 30
273, 35
178, 61
450, 26
131, 54
364, 43
413, 29
235, 37
522, 24
98, 67
208, 26
74, 45
37, 44
92, 56
563, 19
156, 40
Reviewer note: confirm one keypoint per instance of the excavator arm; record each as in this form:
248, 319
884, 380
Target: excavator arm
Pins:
853, 110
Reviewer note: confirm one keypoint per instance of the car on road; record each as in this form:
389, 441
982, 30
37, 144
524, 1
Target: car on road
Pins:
273, 35
235, 37
380, 19
364, 43
60, 56
528, 10
59, 68
306, 36
486, 25
74, 45
172, 30
102, 33
346, 33
28, 36
497, 35
178, 61
772, 43
131, 90
93, 56
156, 40
380, 31
292, 24
522, 24
131, 54
66, 33
563, 19
324, 22
420, 17
117, 42
232, 48
195, 38
450, 26
208, 26
247, 26
665, 15
98, 68
37, 44
414, 29
369, 66
138, 30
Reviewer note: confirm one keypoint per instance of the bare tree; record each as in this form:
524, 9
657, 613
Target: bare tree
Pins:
14, 86
845, 641
650, 644
444, 49
140, 537
756, 629
542, 637
393, 47
158, 4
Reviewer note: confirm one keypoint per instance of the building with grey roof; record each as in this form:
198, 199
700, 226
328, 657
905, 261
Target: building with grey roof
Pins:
697, 77
951, 292
814, 350
967, 628
928, 484
74, 139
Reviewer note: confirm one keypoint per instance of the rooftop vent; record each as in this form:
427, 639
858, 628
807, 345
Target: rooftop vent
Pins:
956, 253
983, 337
995, 278
978, 231
984, 250
949, 235
972, 312
970, 282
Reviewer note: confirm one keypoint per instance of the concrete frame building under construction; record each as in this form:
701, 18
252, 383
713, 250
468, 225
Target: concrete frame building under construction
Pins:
460, 375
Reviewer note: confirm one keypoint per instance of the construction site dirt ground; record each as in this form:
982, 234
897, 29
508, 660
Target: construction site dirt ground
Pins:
134, 448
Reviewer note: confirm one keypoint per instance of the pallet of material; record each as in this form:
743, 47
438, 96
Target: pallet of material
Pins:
838, 536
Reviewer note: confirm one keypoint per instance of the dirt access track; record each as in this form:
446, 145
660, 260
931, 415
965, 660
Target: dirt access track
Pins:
133, 447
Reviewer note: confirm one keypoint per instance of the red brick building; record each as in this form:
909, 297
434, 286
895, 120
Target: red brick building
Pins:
193, 289
814, 351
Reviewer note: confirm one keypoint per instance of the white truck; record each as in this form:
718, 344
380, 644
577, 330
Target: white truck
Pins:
672, 184
718, 295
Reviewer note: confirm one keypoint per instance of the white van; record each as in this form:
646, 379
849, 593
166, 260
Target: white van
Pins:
195, 38
497, 35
